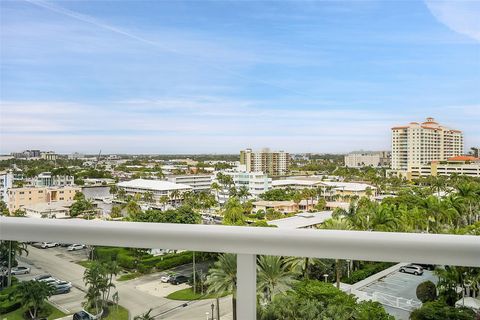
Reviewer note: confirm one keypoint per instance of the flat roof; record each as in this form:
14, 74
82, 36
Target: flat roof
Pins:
273, 203
156, 185
45, 207
302, 220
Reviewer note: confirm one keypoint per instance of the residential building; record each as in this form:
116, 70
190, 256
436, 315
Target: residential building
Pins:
256, 183
27, 154
49, 155
367, 159
280, 206
26, 196
50, 210
6, 182
461, 165
418, 143
158, 188
198, 182
266, 161
46, 179
328, 188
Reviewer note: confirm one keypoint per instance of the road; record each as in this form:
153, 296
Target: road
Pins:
61, 265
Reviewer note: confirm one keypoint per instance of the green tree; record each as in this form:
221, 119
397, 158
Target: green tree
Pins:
33, 295
274, 276
222, 278
233, 213
426, 291
439, 310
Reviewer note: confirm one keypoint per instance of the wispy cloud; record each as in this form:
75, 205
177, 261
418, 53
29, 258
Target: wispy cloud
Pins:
462, 16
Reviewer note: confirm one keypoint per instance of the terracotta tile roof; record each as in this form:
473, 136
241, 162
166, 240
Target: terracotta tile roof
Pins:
463, 158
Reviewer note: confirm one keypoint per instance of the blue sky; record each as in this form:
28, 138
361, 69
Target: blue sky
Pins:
216, 77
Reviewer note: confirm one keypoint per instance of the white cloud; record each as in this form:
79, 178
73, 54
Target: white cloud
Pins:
461, 16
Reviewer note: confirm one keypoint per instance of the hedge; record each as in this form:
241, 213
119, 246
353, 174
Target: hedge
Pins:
9, 306
367, 271
174, 261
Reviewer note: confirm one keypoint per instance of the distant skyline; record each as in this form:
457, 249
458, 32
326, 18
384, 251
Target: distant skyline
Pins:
174, 77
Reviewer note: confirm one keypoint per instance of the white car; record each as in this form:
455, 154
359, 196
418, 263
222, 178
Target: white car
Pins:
45, 245
165, 279
75, 247
20, 270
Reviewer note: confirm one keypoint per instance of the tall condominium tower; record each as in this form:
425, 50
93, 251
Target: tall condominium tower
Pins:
273, 163
420, 143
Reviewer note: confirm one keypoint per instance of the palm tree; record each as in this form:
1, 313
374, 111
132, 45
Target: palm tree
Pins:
148, 197
97, 282
273, 276
216, 187
33, 295
8, 251
174, 195
164, 200
222, 278
243, 192
337, 224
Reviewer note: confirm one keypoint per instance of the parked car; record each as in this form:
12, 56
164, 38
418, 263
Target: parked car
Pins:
166, 279
412, 269
178, 279
430, 267
20, 270
42, 277
75, 247
61, 289
65, 245
82, 315
44, 245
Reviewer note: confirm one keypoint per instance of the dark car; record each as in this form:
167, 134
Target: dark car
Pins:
82, 315
178, 279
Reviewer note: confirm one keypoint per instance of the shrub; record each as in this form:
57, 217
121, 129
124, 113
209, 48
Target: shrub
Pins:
426, 291
366, 271
9, 306
174, 261
126, 261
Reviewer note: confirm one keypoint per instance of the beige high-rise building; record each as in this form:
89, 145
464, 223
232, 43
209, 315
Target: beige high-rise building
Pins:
274, 163
420, 143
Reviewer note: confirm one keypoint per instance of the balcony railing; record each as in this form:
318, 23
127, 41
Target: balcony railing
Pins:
247, 242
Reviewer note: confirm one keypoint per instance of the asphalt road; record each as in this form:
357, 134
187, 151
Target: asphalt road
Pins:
59, 263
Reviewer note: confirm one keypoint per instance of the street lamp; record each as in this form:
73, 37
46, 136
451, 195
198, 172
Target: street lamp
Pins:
348, 268
325, 276
213, 307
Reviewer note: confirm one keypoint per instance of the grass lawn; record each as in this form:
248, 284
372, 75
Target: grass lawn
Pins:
53, 313
129, 276
188, 295
115, 313
85, 263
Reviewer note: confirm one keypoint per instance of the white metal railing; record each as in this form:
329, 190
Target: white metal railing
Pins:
248, 242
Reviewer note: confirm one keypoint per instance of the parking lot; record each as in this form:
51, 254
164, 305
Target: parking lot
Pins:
398, 289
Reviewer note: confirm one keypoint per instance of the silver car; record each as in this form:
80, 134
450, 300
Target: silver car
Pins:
20, 270
412, 269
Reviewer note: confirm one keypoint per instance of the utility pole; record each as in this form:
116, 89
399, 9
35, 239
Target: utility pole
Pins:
194, 275
9, 282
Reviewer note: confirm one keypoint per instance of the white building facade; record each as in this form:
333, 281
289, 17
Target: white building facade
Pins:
158, 188
6, 182
198, 182
256, 182
46, 179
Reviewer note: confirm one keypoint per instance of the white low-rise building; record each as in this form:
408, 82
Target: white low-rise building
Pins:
6, 182
199, 182
302, 220
158, 188
47, 179
256, 182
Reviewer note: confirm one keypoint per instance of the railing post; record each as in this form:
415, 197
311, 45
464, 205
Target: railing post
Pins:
246, 287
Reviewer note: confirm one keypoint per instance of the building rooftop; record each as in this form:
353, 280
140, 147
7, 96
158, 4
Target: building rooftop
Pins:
273, 203
156, 185
464, 158
302, 220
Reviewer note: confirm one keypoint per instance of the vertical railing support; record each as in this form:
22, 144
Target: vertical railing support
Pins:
246, 287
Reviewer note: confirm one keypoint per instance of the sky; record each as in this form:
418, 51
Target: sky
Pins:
219, 76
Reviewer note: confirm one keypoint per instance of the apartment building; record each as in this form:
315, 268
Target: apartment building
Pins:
19, 198
49, 155
367, 159
461, 165
6, 182
419, 143
46, 179
256, 182
274, 163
